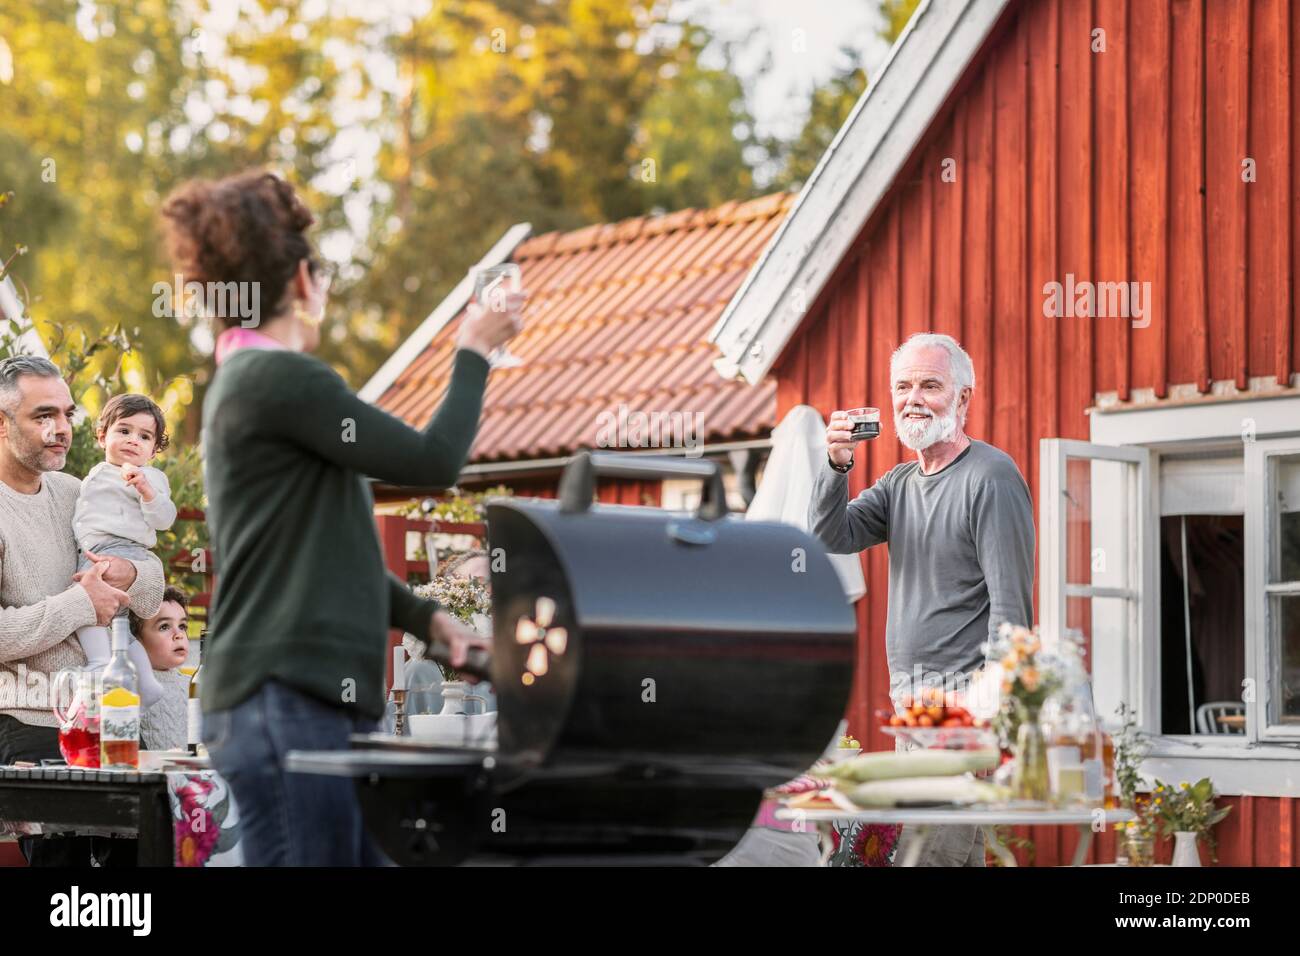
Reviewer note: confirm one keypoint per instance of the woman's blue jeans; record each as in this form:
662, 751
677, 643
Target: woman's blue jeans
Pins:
290, 819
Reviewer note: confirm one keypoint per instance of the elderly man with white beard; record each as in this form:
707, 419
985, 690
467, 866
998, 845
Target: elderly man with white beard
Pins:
960, 528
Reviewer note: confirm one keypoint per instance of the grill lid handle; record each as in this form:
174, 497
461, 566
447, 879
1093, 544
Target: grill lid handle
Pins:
578, 482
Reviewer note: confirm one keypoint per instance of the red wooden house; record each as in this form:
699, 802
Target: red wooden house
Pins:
1010, 145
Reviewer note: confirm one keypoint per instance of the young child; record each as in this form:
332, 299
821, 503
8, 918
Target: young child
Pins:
123, 504
166, 640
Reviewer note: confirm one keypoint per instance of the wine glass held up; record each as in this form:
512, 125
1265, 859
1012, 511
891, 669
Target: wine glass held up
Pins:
493, 316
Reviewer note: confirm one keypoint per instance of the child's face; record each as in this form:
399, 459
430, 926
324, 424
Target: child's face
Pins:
164, 637
130, 440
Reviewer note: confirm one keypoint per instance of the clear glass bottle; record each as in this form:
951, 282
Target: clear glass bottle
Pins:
1076, 745
119, 705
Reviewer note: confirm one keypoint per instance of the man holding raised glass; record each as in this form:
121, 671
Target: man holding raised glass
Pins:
959, 523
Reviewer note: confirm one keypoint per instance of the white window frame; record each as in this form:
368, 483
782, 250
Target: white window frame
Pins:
1134, 581
1261, 667
1252, 764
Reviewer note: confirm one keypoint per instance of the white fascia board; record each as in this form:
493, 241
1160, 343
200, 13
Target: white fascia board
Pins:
1172, 427
11, 307
447, 310
850, 181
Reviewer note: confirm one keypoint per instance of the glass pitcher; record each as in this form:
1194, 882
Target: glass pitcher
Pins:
79, 723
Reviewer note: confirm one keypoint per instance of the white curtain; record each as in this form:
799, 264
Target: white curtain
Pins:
1202, 486
798, 452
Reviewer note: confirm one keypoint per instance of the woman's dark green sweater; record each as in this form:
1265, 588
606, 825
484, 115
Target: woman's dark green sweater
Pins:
302, 594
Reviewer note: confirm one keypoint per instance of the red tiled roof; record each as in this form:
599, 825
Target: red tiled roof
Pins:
618, 313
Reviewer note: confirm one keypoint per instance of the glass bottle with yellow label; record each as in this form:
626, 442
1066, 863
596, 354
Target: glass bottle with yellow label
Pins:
119, 705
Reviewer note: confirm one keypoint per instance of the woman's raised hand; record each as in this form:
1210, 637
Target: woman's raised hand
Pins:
486, 330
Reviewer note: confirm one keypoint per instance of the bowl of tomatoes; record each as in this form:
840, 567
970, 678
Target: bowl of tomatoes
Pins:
935, 720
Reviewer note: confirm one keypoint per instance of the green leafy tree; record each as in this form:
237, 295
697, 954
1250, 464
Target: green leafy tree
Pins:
832, 102
697, 130
829, 107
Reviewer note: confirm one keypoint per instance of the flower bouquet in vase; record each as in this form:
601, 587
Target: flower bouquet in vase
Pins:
1032, 669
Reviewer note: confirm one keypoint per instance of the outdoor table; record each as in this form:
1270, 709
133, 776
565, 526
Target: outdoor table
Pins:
924, 820
86, 802
179, 810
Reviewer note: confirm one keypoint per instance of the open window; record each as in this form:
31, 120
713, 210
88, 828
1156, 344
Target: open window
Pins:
1098, 535
1272, 470
1183, 570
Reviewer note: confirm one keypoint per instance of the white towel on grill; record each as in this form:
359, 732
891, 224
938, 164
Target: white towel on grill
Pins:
798, 452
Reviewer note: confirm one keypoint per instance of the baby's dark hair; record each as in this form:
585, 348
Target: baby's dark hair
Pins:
249, 227
170, 593
124, 406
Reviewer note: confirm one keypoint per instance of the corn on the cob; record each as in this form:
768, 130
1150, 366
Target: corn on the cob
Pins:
922, 791
886, 765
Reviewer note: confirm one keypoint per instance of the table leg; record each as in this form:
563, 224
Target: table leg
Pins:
997, 847
155, 844
915, 844
1085, 840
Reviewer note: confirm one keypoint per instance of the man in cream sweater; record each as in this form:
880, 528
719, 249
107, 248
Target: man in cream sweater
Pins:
42, 599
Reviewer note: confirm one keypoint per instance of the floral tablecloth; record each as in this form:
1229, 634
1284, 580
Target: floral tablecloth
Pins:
205, 821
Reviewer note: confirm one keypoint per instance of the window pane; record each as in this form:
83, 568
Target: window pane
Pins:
1288, 518
1212, 592
1096, 522
1285, 699
1104, 623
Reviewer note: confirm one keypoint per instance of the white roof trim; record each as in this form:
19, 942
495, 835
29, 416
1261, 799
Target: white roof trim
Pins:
850, 181
447, 310
11, 307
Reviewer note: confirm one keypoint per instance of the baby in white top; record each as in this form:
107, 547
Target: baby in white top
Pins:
124, 503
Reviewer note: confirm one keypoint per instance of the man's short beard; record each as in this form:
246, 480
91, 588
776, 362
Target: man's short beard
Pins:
919, 437
32, 456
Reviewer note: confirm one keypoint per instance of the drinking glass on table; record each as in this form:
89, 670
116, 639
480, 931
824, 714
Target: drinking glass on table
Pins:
492, 286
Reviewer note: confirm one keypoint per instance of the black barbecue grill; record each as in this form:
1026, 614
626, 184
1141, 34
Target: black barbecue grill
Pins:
654, 671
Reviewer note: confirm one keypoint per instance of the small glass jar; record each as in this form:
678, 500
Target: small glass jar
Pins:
1141, 847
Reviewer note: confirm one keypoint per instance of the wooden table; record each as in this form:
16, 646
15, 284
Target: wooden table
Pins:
924, 821
75, 801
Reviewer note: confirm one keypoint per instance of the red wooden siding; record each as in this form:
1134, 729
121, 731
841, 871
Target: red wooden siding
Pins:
1117, 166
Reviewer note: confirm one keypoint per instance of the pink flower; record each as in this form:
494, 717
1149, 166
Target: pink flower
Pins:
196, 831
195, 838
875, 842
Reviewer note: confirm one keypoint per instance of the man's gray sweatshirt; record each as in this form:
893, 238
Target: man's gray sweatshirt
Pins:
961, 553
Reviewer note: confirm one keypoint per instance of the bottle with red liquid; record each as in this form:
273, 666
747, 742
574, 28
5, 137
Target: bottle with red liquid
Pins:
79, 724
